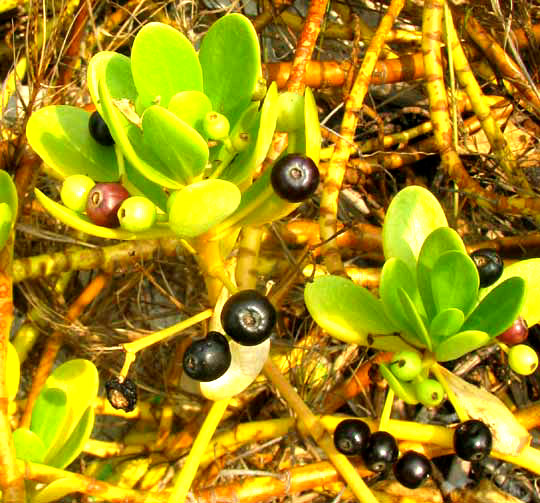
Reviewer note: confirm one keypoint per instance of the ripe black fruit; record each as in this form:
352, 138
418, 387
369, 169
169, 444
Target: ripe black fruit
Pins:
489, 265
103, 203
350, 436
380, 452
207, 359
294, 177
121, 393
99, 130
472, 440
248, 317
412, 469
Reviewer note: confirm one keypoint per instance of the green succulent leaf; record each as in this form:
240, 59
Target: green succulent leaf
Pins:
59, 135
75, 443
191, 107
413, 318
529, 270
72, 377
56, 490
48, 415
163, 63
6, 221
346, 311
13, 371
81, 223
116, 97
137, 184
395, 275
230, 61
213, 199
28, 446
441, 240
175, 142
260, 126
460, 344
446, 323
403, 390
412, 216
454, 282
312, 130
499, 308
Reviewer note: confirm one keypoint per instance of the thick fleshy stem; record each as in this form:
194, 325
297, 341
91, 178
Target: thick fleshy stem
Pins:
336, 170
187, 474
313, 425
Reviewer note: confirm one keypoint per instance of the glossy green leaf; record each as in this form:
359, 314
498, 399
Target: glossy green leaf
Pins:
290, 108
75, 443
83, 224
28, 446
202, 205
6, 222
439, 241
8, 193
395, 274
56, 490
499, 308
312, 129
529, 270
460, 344
116, 100
59, 135
446, 323
454, 282
260, 126
413, 214
403, 390
346, 311
49, 414
13, 371
175, 142
230, 60
414, 320
137, 184
163, 63
191, 107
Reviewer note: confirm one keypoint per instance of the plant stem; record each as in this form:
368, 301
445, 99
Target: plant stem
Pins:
149, 340
208, 428
317, 431
387, 410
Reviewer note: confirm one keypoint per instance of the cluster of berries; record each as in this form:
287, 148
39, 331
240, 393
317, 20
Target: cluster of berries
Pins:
107, 204
248, 318
379, 450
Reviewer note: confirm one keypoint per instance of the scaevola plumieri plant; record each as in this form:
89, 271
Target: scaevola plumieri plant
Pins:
430, 304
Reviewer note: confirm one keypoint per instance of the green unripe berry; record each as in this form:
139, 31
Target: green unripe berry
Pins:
137, 214
74, 192
240, 141
522, 359
6, 218
216, 126
429, 392
406, 365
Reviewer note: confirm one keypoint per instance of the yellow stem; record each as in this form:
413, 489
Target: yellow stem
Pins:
387, 410
149, 340
208, 428
315, 428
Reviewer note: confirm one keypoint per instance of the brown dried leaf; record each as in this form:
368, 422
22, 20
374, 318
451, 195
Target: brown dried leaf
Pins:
509, 437
486, 492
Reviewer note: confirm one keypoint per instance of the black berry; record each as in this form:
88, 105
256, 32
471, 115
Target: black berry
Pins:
121, 393
489, 265
103, 203
412, 469
472, 440
207, 359
294, 177
350, 436
248, 317
380, 452
99, 130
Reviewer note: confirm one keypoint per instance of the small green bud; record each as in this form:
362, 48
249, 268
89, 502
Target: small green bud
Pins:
216, 126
